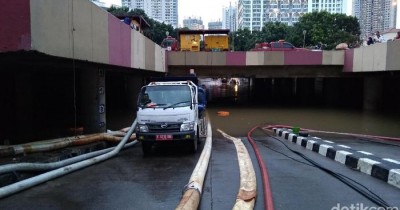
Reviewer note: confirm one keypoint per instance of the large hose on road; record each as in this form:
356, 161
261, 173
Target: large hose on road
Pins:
27, 183
54, 165
192, 192
246, 197
268, 205
53, 144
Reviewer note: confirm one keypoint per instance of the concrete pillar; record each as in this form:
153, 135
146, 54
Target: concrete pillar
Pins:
134, 83
373, 87
92, 100
24, 108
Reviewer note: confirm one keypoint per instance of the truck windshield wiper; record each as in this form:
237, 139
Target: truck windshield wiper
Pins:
173, 105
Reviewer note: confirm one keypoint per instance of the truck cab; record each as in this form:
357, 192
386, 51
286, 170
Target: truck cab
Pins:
170, 44
168, 111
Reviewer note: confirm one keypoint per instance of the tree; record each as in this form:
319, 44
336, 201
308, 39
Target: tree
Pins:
156, 31
118, 11
273, 31
244, 40
326, 28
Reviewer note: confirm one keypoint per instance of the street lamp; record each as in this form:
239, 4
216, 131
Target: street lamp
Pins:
304, 37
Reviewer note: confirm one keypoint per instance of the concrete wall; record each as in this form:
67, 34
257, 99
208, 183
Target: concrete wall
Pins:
76, 29
252, 58
376, 57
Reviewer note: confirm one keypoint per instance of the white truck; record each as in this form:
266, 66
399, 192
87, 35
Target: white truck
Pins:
170, 110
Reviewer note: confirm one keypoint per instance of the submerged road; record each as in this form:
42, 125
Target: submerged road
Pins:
129, 181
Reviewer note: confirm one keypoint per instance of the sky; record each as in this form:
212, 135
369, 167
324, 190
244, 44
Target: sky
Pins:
208, 10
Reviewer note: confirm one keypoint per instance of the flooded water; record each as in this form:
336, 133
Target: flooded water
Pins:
245, 113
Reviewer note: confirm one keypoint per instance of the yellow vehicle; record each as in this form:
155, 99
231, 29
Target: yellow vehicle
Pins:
218, 42
190, 42
204, 40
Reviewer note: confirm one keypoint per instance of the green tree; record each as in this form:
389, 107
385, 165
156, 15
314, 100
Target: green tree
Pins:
326, 28
243, 40
273, 31
118, 11
156, 31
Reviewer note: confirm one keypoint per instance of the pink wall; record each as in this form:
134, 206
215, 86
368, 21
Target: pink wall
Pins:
119, 41
348, 60
235, 58
15, 28
302, 58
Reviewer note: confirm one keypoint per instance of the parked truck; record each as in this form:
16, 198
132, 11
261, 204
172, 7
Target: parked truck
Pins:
170, 110
217, 42
170, 44
280, 45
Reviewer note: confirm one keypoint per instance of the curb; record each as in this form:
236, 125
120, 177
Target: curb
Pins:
385, 172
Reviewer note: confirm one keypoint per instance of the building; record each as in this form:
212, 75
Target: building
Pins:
286, 11
193, 23
99, 3
215, 25
253, 14
229, 17
375, 15
160, 10
331, 6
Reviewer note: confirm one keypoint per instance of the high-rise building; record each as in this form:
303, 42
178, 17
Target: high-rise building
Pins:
229, 17
193, 23
253, 14
160, 10
331, 6
215, 25
375, 15
285, 11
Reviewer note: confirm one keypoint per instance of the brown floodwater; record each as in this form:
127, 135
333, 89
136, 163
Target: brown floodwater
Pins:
245, 113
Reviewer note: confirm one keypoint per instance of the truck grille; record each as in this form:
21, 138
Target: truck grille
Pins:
164, 127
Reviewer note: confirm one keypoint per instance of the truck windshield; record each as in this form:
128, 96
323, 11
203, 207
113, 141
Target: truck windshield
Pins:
167, 43
165, 96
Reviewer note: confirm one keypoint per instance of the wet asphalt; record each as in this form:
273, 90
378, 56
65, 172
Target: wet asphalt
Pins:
129, 181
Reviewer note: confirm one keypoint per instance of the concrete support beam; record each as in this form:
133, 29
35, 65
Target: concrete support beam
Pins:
134, 83
373, 87
92, 97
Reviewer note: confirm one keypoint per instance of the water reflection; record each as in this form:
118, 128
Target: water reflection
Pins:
247, 111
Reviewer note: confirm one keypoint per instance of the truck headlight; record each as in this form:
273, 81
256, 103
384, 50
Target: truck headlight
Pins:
187, 126
142, 128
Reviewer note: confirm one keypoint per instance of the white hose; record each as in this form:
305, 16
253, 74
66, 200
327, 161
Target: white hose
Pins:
54, 165
27, 183
192, 192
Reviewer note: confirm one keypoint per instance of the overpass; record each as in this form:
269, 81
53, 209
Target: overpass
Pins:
61, 58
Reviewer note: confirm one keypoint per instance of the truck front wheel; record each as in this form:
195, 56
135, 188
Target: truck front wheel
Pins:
194, 145
146, 147
196, 141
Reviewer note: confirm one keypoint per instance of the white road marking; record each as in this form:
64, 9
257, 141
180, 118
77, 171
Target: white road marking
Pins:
391, 160
330, 142
344, 146
365, 153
